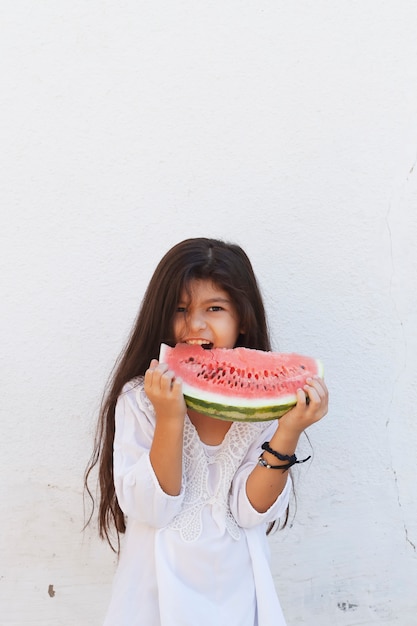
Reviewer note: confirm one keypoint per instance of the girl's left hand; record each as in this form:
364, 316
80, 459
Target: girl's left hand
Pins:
312, 405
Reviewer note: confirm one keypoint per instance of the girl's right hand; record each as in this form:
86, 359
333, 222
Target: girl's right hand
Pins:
164, 390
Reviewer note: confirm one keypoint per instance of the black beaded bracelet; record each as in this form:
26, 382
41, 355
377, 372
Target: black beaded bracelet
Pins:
291, 460
261, 461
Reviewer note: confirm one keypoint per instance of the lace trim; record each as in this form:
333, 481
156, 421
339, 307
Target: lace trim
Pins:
196, 461
196, 470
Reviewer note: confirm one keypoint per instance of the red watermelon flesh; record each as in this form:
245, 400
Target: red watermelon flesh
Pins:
239, 384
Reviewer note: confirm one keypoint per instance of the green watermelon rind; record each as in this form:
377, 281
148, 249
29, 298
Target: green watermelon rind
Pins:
235, 413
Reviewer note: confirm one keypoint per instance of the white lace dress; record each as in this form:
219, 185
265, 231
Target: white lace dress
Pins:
200, 557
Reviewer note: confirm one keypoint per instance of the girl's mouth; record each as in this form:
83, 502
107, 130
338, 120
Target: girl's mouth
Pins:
206, 345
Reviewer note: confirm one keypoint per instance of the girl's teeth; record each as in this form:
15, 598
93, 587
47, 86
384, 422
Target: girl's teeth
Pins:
198, 342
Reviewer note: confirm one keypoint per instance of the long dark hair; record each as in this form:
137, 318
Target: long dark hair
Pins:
226, 265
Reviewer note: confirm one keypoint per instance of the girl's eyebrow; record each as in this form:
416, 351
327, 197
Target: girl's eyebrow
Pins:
220, 299
210, 301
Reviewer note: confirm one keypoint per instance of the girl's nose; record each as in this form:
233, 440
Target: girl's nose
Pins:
196, 322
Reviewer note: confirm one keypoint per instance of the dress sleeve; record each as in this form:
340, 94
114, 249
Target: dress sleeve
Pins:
243, 511
138, 492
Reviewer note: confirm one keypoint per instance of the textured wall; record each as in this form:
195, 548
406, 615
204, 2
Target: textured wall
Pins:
289, 127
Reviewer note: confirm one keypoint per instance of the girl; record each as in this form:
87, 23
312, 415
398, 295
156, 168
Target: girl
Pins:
194, 494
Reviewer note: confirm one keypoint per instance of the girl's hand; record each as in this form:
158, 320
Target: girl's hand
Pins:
165, 392
312, 405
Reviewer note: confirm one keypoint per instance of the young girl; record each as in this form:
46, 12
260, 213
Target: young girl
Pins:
194, 494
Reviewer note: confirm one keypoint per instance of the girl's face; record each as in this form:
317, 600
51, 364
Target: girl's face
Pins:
206, 316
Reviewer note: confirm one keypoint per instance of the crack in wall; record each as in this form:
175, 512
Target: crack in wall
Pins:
402, 367
407, 537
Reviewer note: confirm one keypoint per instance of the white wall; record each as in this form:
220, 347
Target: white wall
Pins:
289, 127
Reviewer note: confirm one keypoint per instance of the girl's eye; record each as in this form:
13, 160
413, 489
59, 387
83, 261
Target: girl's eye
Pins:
181, 309
216, 308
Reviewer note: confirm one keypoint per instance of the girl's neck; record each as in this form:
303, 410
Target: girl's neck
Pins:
211, 431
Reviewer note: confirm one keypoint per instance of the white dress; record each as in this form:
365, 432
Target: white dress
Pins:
200, 557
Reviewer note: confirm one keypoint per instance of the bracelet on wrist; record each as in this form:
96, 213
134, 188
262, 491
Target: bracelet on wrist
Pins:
291, 459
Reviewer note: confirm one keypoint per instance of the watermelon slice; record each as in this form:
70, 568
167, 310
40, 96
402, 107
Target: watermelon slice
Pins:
239, 384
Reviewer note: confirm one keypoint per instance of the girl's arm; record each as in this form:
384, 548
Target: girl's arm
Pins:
264, 485
138, 491
165, 393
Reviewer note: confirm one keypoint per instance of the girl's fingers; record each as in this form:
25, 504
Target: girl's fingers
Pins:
160, 378
312, 393
154, 373
148, 377
149, 372
177, 383
166, 380
301, 397
319, 385
318, 395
